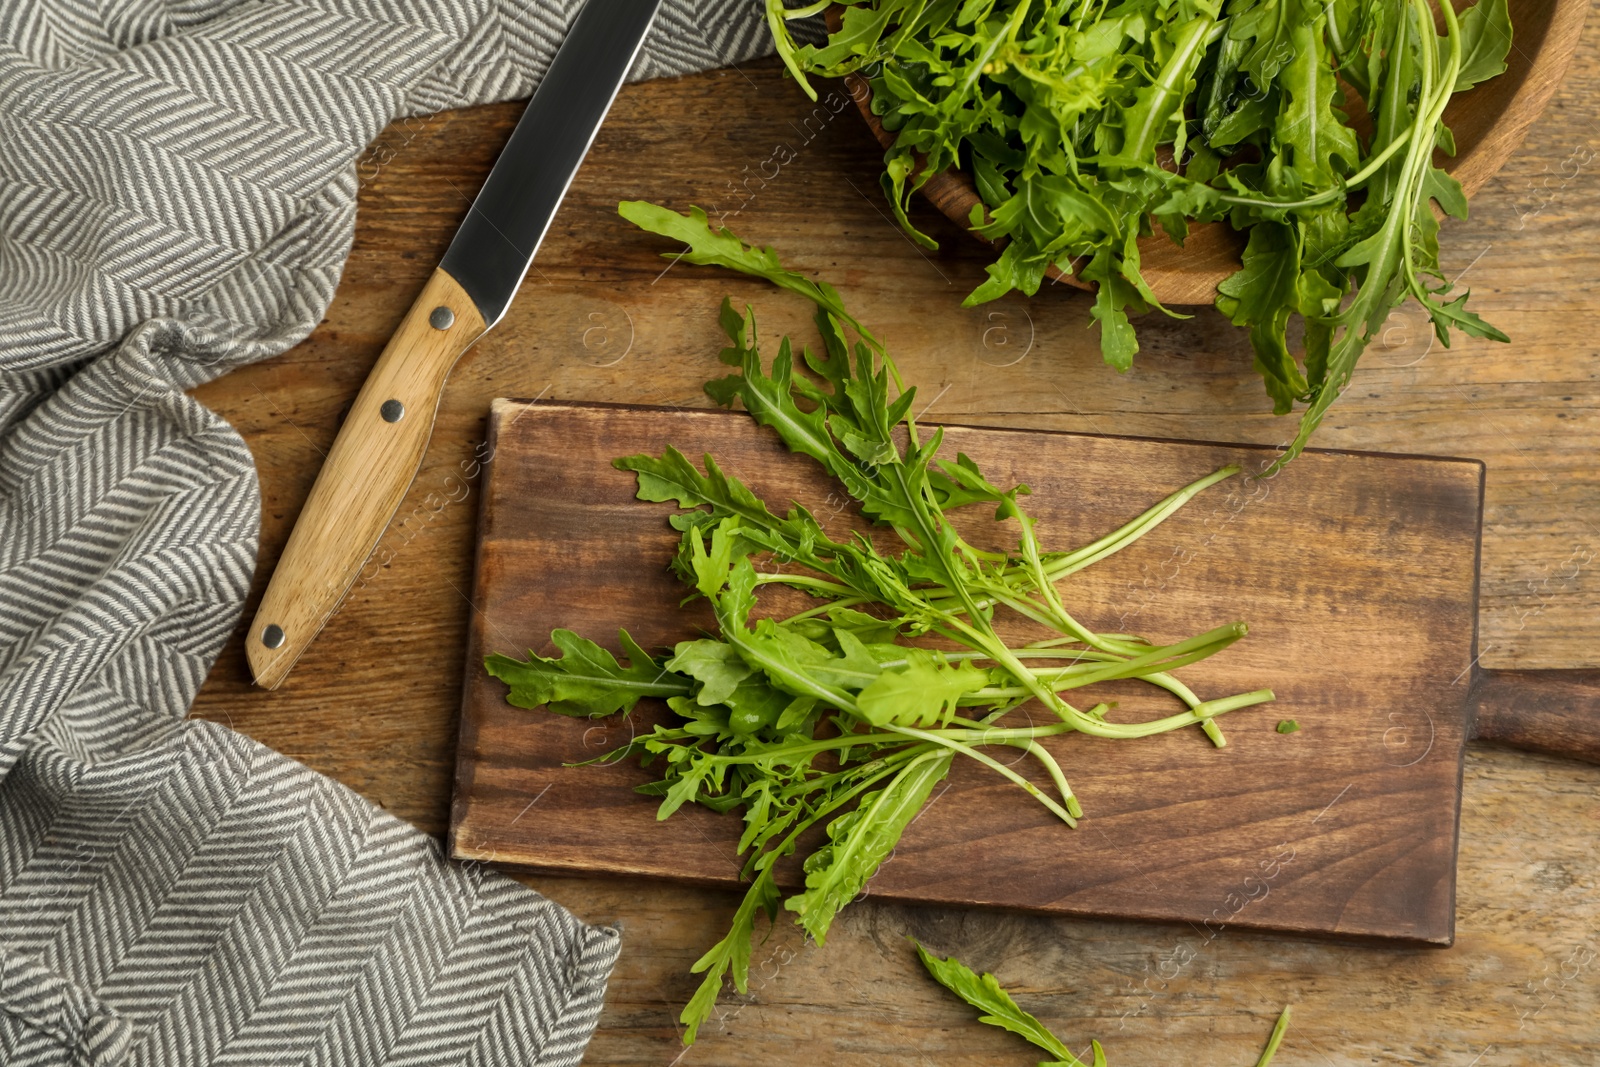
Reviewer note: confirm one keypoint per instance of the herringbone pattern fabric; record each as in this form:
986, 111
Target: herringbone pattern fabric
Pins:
177, 196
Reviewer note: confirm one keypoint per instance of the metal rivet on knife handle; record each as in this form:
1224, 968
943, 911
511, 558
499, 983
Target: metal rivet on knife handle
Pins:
272, 636
392, 411
441, 319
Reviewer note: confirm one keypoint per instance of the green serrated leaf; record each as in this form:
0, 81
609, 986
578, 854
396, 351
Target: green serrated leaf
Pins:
1118, 344
998, 1009
1321, 146
921, 692
721, 248
731, 954
859, 842
716, 665
585, 680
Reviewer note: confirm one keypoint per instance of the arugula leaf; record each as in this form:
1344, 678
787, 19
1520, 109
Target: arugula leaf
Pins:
716, 665
673, 478
861, 840
585, 680
720, 248
984, 993
1485, 43
731, 954
1150, 120
1320, 146
920, 692
1113, 297
1261, 295
1392, 246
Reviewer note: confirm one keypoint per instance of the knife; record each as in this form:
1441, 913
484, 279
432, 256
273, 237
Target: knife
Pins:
379, 448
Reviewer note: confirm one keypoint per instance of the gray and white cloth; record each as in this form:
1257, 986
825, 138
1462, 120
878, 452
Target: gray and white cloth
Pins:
177, 197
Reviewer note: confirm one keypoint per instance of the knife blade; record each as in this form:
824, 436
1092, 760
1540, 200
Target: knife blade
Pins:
380, 446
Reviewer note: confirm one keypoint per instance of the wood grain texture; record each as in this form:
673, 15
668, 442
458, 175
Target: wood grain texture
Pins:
363, 479
1489, 124
1346, 827
1556, 712
375, 700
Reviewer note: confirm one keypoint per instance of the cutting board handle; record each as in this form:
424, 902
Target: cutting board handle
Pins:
1557, 712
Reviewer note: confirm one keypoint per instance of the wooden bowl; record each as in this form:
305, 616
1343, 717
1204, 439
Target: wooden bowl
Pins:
1489, 123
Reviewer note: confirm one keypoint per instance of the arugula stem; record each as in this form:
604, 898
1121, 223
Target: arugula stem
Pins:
1040, 753
1172, 685
1001, 654
1334, 39
842, 602
806, 581
776, 16
999, 768
1111, 667
1066, 564
1042, 614
1435, 111
1280, 1028
1127, 534
1158, 678
980, 734
792, 13
1168, 657
1223, 705
808, 748
1198, 714
1414, 160
1327, 196
1047, 588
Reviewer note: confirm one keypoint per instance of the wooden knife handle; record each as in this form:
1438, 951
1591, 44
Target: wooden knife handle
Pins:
1557, 712
364, 477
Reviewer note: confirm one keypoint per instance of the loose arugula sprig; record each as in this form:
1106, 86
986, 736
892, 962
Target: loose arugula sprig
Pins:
830, 716
984, 992
1069, 113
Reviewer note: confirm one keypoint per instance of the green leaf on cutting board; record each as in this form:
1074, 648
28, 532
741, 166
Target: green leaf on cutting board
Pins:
585, 680
921, 692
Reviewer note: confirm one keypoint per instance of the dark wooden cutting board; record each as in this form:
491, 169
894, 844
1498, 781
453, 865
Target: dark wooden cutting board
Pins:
1357, 574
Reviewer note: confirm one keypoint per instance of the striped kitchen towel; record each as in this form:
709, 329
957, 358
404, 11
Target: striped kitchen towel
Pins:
177, 196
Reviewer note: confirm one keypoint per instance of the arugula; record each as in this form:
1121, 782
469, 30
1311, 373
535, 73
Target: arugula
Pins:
586, 680
983, 991
1087, 124
849, 714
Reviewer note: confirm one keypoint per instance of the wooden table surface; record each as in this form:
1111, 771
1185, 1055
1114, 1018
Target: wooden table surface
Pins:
374, 702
